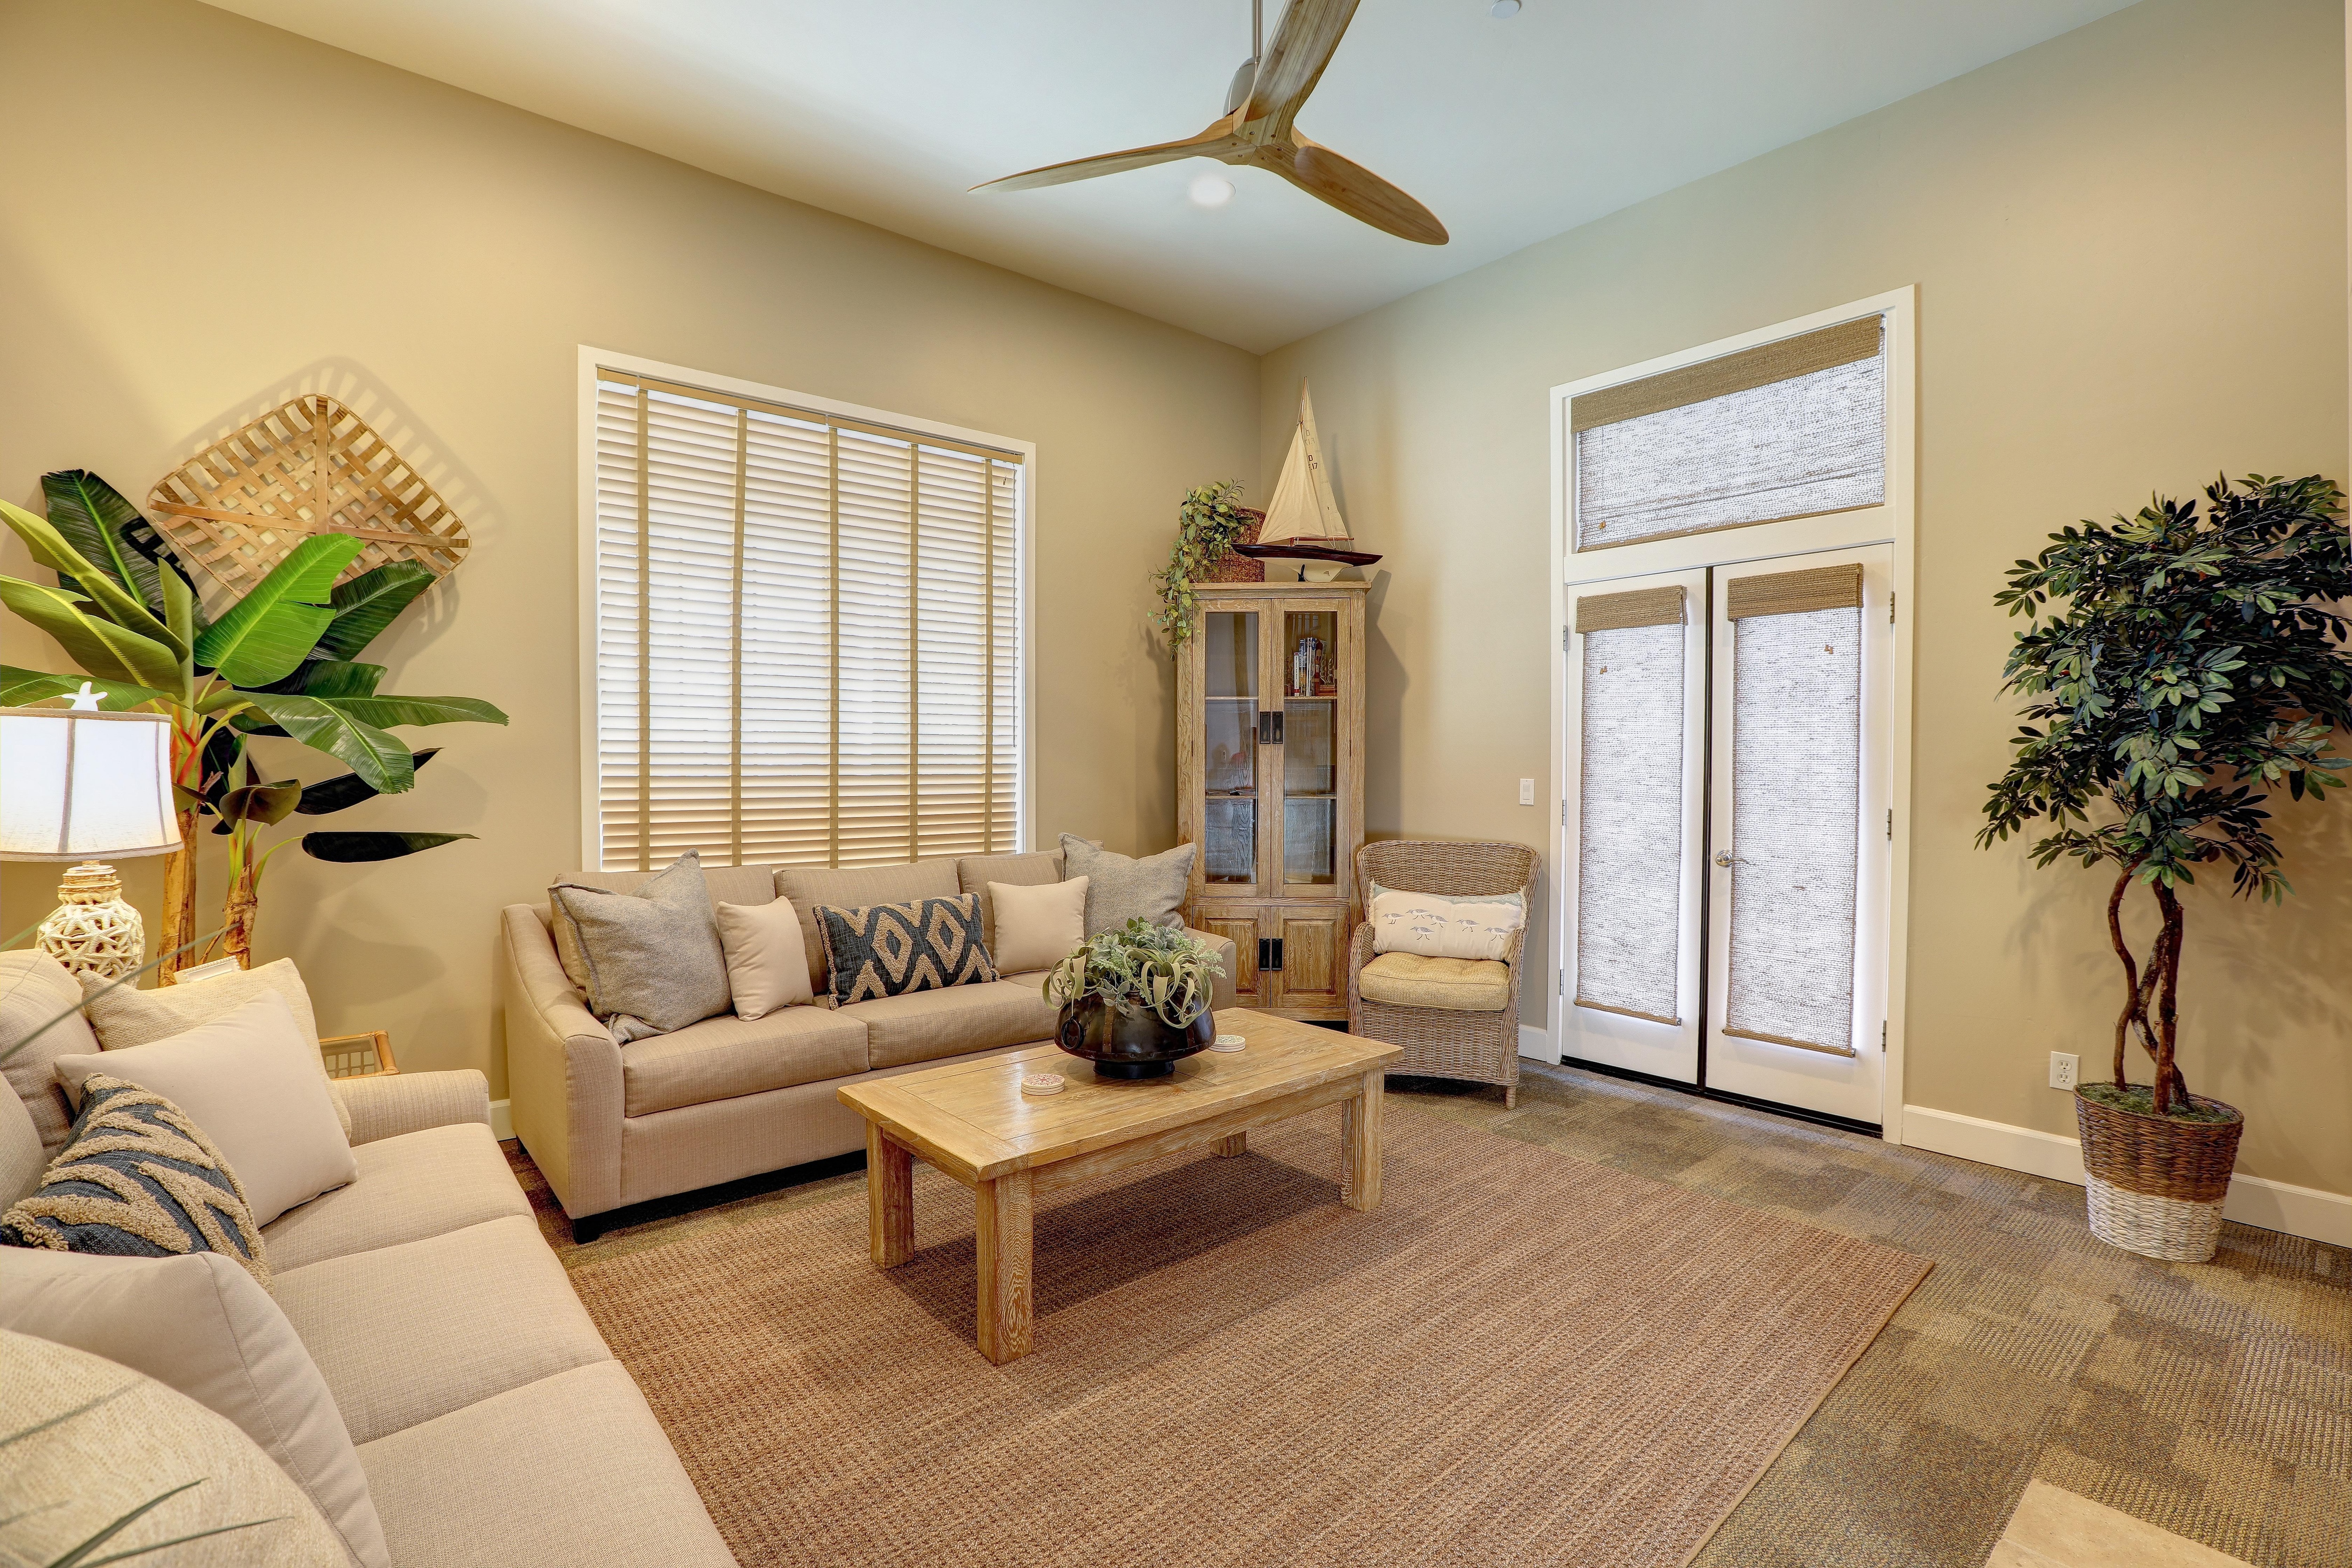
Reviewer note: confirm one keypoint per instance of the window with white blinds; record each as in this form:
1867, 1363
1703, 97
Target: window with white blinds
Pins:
808, 635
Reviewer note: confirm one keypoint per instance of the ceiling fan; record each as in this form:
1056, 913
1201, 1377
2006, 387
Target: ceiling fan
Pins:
1255, 131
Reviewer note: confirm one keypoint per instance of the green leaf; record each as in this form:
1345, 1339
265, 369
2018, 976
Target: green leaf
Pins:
420, 710
333, 678
265, 634
117, 603
345, 790
181, 613
269, 803
323, 724
352, 847
366, 604
105, 650
23, 688
92, 517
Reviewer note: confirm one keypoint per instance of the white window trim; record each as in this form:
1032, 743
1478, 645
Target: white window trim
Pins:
1894, 522
591, 359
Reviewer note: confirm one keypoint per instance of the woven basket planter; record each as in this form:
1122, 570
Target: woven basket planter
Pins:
2156, 1186
1234, 567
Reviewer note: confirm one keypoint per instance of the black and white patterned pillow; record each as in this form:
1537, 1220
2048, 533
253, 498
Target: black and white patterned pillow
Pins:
896, 949
137, 1179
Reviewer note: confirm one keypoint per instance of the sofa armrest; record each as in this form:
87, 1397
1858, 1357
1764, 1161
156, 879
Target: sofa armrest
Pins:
401, 1103
1221, 993
563, 1072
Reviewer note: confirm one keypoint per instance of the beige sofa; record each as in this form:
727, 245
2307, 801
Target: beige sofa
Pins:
611, 1125
493, 1423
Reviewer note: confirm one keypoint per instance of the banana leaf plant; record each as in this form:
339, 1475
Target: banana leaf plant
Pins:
280, 661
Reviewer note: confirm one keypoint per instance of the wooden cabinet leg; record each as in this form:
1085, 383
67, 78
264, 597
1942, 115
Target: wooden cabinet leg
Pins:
1360, 1144
1002, 1227
889, 1200
1233, 1144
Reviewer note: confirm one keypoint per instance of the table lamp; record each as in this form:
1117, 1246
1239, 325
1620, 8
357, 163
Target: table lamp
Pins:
75, 784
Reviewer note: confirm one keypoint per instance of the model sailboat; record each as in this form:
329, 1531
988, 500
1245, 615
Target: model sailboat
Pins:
1303, 522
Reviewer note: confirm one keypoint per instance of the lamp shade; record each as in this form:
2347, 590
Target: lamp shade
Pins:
76, 784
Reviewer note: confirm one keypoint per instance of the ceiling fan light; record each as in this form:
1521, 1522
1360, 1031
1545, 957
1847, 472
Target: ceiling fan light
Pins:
1503, 10
1210, 190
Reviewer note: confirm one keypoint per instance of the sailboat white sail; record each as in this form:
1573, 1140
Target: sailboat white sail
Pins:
1303, 520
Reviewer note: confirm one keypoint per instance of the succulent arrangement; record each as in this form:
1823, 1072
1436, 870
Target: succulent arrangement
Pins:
1140, 968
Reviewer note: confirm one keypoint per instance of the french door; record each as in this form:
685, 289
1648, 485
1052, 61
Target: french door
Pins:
1728, 819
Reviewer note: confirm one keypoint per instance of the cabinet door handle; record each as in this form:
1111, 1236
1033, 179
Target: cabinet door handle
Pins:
1277, 716
1277, 965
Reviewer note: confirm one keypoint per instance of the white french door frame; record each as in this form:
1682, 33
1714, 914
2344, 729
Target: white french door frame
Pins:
1892, 522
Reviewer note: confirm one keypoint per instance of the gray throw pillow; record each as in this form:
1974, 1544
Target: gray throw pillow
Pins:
651, 958
1120, 888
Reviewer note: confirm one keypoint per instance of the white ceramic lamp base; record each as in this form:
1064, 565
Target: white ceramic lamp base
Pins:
93, 931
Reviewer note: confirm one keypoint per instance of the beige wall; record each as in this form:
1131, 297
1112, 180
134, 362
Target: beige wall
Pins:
2129, 245
200, 216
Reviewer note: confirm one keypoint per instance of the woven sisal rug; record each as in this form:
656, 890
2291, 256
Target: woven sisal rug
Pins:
1522, 1358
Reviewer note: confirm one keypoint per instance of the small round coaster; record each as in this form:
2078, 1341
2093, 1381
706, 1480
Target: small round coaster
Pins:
1229, 1042
1042, 1082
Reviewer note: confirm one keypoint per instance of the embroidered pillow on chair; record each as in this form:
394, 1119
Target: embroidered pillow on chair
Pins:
896, 949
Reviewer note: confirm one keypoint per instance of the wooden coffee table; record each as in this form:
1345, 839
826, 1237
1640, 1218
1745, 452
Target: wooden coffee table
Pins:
971, 1121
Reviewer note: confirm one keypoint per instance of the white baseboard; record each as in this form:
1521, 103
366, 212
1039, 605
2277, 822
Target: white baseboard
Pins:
2253, 1200
501, 1121
1536, 1044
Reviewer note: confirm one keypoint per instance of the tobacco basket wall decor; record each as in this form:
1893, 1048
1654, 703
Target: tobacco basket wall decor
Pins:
309, 467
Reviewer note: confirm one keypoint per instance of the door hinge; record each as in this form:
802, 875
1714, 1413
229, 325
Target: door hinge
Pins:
1890, 608
1890, 824
1882, 1036
1563, 810
1568, 639
1563, 982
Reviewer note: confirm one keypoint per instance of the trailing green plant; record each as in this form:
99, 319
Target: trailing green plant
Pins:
1209, 523
280, 661
2181, 666
1141, 968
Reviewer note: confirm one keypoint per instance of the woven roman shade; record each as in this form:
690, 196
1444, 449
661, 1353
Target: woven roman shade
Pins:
1630, 803
1636, 607
1788, 429
1796, 780
808, 635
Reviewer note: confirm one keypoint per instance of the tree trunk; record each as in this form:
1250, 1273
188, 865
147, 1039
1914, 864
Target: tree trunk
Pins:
243, 911
2131, 971
2169, 1085
179, 900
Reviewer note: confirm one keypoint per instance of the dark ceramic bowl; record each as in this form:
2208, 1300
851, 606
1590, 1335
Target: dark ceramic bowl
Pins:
1123, 1045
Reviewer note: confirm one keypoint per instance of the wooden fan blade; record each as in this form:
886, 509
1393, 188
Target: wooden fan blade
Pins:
1346, 186
1303, 41
1216, 142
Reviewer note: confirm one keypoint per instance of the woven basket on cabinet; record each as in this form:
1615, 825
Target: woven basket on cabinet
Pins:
1483, 1048
2155, 1184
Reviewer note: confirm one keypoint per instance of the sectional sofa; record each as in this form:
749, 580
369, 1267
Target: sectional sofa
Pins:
611, 1125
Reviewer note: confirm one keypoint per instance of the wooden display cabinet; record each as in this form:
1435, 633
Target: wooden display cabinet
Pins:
1270, 783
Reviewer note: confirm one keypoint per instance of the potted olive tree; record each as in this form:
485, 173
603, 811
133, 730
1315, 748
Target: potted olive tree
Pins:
2181, 666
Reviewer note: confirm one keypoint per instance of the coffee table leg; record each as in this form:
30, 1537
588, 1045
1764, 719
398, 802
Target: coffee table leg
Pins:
889, 1200
1360, 1144
1235, 1143
1002, 1228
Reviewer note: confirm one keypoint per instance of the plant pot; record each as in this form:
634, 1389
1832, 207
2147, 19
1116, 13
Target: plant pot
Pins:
2157, 1184
1128, 1045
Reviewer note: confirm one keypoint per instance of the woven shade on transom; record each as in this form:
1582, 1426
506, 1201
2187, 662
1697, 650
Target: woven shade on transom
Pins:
1787, 430
309, 467
1629, 807
1796, 780
808, 645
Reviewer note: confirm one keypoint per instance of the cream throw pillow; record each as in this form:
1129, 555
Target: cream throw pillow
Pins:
99, 1441
767, 962
1037, 926
127, 1016
200, 1324
243, 1079
1436, 926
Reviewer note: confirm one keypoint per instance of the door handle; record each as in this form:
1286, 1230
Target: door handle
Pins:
1269, 726
1722, 858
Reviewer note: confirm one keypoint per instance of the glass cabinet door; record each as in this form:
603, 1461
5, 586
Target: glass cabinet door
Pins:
1308, 649
1229, 772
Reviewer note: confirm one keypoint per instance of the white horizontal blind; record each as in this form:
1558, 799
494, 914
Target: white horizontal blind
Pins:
1796, 774
1630, 803
808, 635
1791, 429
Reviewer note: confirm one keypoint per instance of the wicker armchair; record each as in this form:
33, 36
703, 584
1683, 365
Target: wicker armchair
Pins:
1481, 1047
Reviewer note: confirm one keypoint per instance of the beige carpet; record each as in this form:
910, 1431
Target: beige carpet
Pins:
1522, 1358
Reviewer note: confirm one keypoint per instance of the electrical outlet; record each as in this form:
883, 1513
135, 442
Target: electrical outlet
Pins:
1527, 791
2065, 1070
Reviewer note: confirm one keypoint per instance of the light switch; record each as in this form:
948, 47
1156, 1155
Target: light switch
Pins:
1527, 791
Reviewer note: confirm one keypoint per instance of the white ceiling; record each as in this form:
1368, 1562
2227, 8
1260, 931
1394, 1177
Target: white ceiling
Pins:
887, 110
